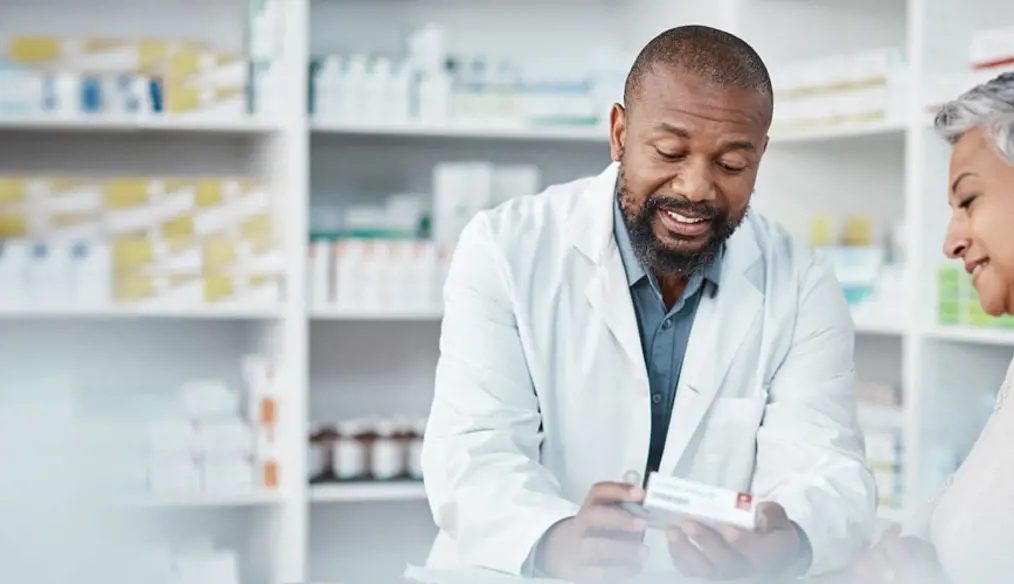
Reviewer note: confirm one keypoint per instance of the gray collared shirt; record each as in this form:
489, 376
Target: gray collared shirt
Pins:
664, 333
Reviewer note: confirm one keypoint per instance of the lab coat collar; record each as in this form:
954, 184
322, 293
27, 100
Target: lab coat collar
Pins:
720, 326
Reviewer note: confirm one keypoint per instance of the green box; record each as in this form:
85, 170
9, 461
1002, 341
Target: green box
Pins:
948, 275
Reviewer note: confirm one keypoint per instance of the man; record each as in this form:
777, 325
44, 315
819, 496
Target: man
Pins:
642, 320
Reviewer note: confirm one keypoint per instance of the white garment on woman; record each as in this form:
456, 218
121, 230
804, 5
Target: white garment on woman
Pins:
971, 522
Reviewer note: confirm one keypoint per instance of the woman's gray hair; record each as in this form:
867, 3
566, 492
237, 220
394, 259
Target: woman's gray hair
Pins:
990, 106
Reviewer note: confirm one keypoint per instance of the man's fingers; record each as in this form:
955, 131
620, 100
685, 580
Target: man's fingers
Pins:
714, 547
770, 516
611, 518
871, 568
602, 551
603, 574
605, 493
592, 575
892, 532
686, 557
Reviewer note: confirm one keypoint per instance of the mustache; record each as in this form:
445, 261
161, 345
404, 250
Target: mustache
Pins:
682, 206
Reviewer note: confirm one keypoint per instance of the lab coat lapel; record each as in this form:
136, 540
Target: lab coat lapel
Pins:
609, 296
608, 293
720, 326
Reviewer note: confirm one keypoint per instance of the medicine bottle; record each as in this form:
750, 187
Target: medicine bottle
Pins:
414, 450
387, 454
350, 451
320, 465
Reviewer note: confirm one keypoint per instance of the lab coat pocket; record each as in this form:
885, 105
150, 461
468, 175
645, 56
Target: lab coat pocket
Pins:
728, 444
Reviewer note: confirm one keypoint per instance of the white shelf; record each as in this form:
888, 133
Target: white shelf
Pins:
891, 514
868, 327
842, 132
168, 124
972, 335
534, 133
378, 314
579, 133
207, 500
115, 312
881, 417
364, 492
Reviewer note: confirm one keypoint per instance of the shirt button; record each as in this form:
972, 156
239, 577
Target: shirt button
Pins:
667, 324
656, 398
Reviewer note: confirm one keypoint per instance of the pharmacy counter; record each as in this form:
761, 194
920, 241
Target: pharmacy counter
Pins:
416, 575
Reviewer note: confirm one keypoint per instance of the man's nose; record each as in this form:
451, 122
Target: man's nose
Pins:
694, 182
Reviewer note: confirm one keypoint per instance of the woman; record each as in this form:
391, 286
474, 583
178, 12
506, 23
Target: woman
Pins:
967, 534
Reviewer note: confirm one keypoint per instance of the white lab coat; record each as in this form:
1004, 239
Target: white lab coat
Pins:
542, 391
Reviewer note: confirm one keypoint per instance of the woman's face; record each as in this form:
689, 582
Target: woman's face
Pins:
981, 230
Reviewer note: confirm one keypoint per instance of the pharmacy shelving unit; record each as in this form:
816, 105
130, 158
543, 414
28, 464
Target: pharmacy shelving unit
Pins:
342, 363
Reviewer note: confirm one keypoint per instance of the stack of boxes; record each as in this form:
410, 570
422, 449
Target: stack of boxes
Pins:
990, 52
395, 256
209, 445
885, 452
958, 301
359, 274
146, 242
69, 77
856, 88
882, 420
871, 272
430, 86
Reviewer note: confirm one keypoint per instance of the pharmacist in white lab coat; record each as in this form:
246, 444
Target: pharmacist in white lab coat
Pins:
641, 320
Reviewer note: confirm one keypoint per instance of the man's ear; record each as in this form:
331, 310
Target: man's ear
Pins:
617, 131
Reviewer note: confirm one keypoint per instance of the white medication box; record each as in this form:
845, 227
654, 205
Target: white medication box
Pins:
670, 501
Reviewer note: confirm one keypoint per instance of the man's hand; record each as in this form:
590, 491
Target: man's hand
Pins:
700, 552
603, 542
898, 560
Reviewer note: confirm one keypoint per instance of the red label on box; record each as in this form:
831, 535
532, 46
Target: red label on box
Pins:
743, 501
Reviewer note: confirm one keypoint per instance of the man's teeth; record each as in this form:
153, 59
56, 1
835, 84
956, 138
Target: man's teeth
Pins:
978, 268
683, 219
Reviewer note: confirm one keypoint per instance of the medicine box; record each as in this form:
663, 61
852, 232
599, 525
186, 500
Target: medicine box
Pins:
992, 49
670, 501
958, 301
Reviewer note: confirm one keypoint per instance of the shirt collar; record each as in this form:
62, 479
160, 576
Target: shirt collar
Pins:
632, 265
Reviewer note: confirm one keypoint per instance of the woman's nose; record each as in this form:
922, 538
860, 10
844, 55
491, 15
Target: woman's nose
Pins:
956, 243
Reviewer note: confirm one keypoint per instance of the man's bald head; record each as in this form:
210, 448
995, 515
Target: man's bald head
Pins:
717, 57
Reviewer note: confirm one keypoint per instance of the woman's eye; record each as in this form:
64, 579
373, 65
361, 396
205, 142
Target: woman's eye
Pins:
967, 202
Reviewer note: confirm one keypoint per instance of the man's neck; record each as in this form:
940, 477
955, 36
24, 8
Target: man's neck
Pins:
672, 288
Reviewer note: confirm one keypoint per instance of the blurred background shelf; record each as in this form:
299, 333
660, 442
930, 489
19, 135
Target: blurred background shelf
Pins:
839, 132
522, 133
208, 500
378, 314
881, 416
358, 492
891, 514
872, 327
120, 124
972, 335
114, 312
